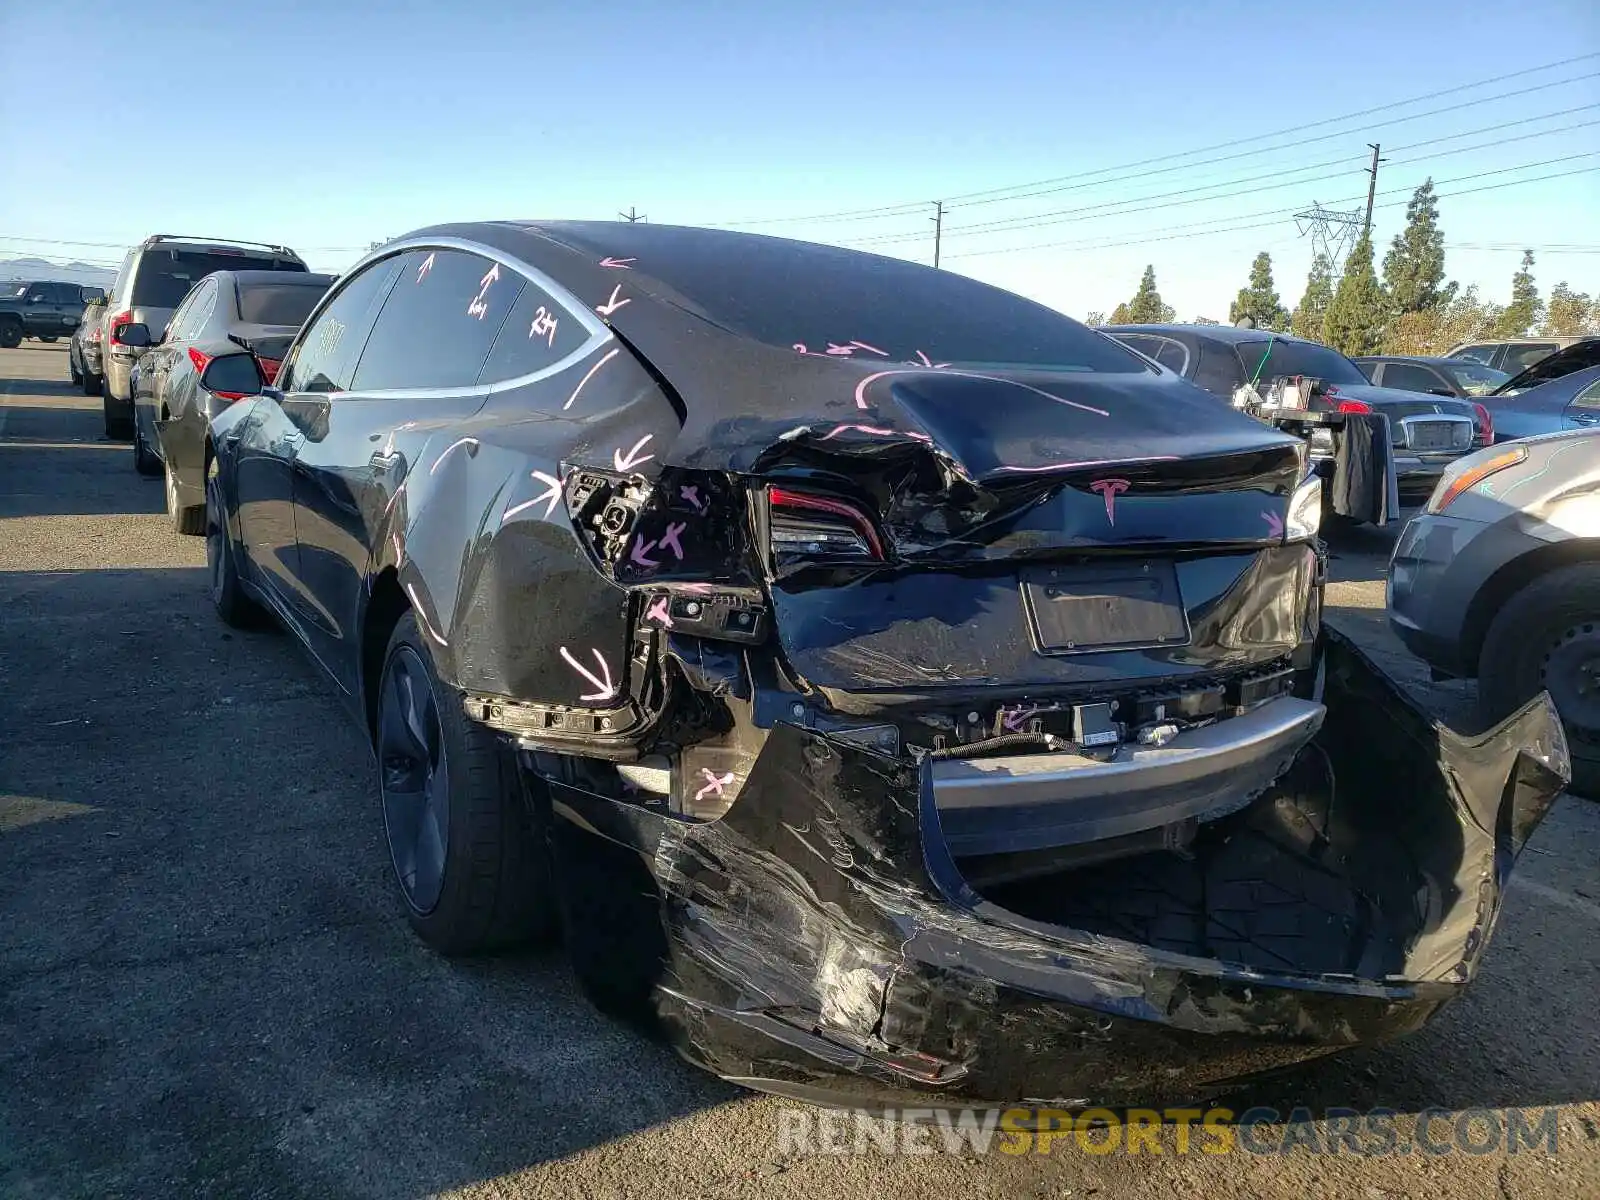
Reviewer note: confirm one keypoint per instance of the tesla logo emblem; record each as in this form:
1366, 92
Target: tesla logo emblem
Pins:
1109, 490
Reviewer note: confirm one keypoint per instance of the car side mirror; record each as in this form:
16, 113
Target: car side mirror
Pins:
89, 294
136, 335
34, 300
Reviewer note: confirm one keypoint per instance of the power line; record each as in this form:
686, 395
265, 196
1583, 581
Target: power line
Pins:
912, 207
1178, 232
1094, 211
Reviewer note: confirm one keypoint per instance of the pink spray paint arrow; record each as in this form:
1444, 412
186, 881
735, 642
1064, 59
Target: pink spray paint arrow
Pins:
427, 265
669, 539
1274, 524
658, 611
714, 783
621, 264
692, 495
610, 354
627, 462
550, 497
1015, 720
611, 305
479, 306
640, 554
604, 688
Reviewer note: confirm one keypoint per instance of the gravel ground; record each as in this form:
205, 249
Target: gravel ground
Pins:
206, 987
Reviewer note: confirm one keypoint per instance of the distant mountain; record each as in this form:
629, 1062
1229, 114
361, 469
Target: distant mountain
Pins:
43, 268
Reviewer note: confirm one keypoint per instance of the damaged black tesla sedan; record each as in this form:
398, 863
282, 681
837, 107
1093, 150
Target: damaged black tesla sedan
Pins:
889, 687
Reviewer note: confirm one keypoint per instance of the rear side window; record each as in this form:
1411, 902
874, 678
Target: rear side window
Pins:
325, 358
196, 311
164, 276
438, 323
1142, 342
277, 304
1172, 355
1369, 369
538, 334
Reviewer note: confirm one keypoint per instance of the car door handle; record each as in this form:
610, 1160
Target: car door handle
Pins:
1585, 419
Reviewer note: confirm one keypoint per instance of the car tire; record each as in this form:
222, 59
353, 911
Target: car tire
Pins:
117, 428
75, 375
1547, 637
476, 876
47, 339
222, 564
189, 520
10, 335
144, 461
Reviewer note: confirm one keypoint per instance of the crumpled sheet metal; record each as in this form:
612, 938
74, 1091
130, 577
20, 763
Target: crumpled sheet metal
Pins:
821, 923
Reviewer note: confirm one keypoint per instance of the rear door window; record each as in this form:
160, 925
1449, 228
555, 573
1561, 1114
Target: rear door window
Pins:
165, 276
324, 359
438, 322
1218, 371
1520, 358
1478, 354
1172, 354
537, 335
277, 303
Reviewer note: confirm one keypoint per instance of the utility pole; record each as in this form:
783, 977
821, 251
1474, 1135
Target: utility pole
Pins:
938, 230
633, 215
1372, 187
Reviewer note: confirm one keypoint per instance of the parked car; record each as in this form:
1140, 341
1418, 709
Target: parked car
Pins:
42, 309
83, 349
858, 663
1579, 356
1428, 432
223, 343
1499, 581
1458, 377
1511, 354
154, 278
1568, 402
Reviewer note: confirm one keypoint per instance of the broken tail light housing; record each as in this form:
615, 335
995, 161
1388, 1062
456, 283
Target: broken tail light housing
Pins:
118, 323
1353, 406
810, 525
1470, 471
269, 368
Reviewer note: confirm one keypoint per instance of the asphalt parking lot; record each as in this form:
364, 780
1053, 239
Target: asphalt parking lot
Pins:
206, 987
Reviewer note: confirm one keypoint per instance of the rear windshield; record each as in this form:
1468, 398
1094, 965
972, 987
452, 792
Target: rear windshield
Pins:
1270, 359
278, 303
1473, 378
847, 304
164, 277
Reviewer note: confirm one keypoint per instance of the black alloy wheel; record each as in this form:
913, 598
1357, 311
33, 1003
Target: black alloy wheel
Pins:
414, 779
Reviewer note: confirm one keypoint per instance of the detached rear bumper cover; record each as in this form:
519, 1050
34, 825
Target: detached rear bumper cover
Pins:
819, 940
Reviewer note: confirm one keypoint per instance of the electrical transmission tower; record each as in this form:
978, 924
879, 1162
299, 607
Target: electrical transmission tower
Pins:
633, 215
1332, 233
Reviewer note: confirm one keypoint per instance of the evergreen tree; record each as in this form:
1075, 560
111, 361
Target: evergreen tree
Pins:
1413, 270
1260, 299
1121, 315
1524, 311
1358, 313
1146, 306
1570, 313
1313, 307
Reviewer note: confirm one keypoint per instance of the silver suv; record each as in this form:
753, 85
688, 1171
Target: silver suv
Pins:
152, 281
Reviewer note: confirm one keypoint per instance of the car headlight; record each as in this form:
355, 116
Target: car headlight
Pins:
1305, 511
1467, 472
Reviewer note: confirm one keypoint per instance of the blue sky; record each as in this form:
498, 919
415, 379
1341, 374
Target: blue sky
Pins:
326, 126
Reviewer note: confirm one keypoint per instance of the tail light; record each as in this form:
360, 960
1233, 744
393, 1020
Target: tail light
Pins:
269, 368
1354, 406
200, 359
118, 323
813, 526
1468, 472
1485, 423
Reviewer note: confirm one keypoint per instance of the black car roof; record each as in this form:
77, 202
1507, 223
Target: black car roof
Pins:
1434, 359
1232, 334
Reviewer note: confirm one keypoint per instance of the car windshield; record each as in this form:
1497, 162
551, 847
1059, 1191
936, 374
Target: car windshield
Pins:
278, 303
826, 301
1473, 378
164, 277
1269, 359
